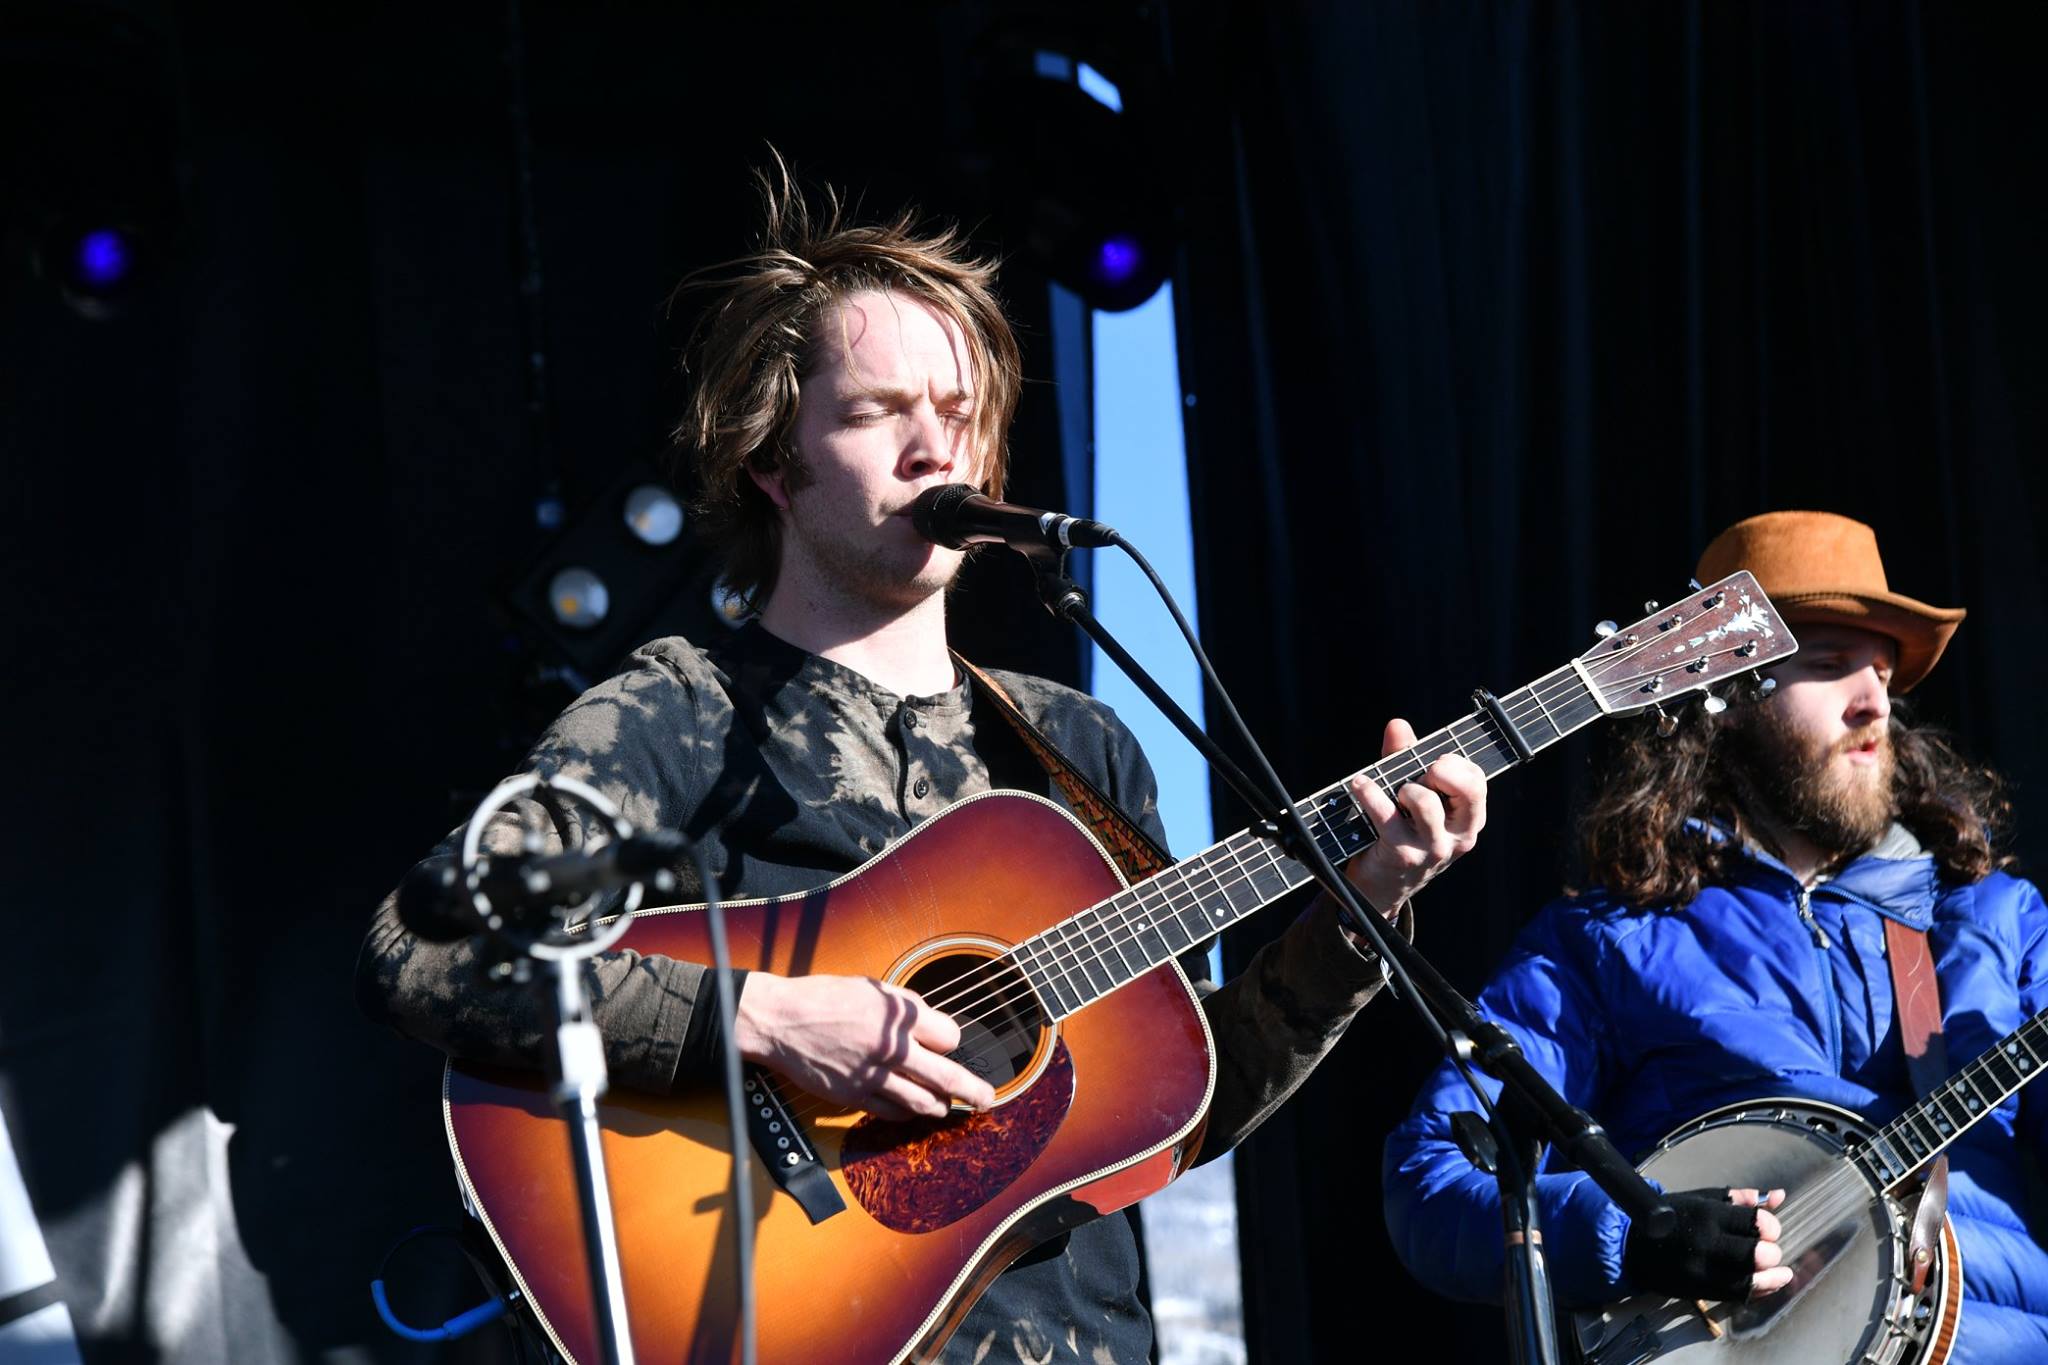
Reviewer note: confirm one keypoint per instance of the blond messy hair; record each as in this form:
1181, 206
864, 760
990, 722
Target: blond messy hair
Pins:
760, 335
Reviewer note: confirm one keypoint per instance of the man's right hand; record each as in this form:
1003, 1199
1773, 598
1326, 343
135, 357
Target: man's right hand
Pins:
1723, 1246
858, 1042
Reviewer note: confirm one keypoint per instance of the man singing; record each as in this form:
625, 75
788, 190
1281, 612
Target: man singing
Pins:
838, 372
1733, 945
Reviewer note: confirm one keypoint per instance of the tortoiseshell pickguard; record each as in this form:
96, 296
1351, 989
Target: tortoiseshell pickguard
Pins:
918, 1175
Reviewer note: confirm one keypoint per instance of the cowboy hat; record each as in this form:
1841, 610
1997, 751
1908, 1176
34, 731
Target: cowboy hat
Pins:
1820, 567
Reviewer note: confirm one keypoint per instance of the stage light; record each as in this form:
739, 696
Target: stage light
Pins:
578, 598
728, 606
103, 259
96, 267
1080, 162
1119, 260
620, 569
653, 515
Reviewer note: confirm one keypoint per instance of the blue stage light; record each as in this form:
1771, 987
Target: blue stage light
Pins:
102, 260
1119, 259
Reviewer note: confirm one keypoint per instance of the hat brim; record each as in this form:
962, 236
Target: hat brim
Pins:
1922, 632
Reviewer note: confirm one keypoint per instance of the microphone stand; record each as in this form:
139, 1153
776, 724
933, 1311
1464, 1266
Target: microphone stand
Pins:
581, 1078
1541, 1114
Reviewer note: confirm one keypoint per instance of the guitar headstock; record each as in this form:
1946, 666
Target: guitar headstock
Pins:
1716, 633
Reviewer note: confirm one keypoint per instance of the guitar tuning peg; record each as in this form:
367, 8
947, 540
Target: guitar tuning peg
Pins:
1761, 686
1713, 705
1651, 606
1666, 722
1693, 583
1604, 629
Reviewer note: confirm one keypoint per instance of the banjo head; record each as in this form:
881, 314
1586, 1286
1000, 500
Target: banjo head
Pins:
1849, 1299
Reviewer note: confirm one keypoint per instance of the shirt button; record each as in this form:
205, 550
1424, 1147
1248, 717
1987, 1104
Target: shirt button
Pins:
910, 720
920, 789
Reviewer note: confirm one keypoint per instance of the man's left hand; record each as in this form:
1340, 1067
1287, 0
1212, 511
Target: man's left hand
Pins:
1428, 825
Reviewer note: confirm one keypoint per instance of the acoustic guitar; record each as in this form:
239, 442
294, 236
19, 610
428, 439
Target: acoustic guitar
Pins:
873, 1238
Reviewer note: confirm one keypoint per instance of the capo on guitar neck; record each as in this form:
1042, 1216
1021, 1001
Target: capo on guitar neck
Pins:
1491, 705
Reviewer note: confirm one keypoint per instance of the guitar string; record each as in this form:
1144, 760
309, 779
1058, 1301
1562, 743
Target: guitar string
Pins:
1007, 967
1006, 970
998, 977
1560, 682
1104, 933
1100, 940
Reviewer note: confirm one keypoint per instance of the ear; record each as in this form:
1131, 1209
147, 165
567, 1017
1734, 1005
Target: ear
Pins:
772, 486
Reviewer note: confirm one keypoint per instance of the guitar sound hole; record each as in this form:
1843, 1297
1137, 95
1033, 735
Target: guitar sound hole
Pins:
1001, 1025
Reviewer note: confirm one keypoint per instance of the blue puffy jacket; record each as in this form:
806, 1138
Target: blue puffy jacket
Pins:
1649, 1018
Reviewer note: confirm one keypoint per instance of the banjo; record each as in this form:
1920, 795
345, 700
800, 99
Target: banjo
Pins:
1847, 1228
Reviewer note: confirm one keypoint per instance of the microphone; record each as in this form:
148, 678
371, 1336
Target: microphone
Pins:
525, 889
955, 516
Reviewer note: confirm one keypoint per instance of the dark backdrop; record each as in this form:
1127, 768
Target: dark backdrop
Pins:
1495, 315
1490, 318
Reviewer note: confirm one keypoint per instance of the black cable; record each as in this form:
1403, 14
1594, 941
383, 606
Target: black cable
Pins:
1325, 872
729, 1049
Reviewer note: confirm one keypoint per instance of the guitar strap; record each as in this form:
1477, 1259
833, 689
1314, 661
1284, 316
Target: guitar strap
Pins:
1916, 999
1134, 850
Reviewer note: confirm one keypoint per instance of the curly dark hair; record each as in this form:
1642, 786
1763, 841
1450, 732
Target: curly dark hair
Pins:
1640, 833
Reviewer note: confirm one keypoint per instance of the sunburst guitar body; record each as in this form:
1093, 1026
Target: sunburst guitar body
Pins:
1095, 1111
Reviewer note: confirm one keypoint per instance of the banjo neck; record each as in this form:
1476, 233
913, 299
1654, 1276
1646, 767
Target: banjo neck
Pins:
1902, 1147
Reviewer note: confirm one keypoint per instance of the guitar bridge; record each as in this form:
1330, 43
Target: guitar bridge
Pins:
791, 1160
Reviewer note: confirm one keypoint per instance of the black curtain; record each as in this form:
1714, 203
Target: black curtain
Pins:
1494, 316
1490, 316
260, 528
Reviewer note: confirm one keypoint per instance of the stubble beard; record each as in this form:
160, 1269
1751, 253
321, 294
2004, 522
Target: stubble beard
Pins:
870, 573
1800, 785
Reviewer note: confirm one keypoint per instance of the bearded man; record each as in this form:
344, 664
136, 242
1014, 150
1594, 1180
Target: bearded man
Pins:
1734, 945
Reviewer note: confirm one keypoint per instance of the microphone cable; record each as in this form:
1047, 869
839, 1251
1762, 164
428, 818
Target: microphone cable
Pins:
735, 1101
1308, 849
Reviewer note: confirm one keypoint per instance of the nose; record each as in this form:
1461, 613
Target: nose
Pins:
1872, 699
933, 447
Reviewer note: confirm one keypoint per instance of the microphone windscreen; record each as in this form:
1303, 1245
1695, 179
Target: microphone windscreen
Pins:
933, 512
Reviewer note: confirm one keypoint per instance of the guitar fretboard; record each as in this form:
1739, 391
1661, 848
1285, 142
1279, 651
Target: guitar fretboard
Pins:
1087, 956
1900, 1148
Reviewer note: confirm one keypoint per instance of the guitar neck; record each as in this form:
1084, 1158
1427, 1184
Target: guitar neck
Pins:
1902, 1147
1084, 958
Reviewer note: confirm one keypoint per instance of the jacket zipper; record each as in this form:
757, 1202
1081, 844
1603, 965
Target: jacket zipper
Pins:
1821, 945
1820, 935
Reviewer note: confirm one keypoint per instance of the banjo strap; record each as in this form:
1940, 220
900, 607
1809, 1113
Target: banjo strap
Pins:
1917, 1002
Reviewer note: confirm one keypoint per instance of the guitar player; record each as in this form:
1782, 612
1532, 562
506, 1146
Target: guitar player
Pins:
1757, 881
839, 371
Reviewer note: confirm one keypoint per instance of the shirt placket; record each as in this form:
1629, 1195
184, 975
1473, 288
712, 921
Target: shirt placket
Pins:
916, 794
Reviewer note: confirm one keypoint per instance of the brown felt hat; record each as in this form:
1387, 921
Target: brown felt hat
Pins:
1820, 567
